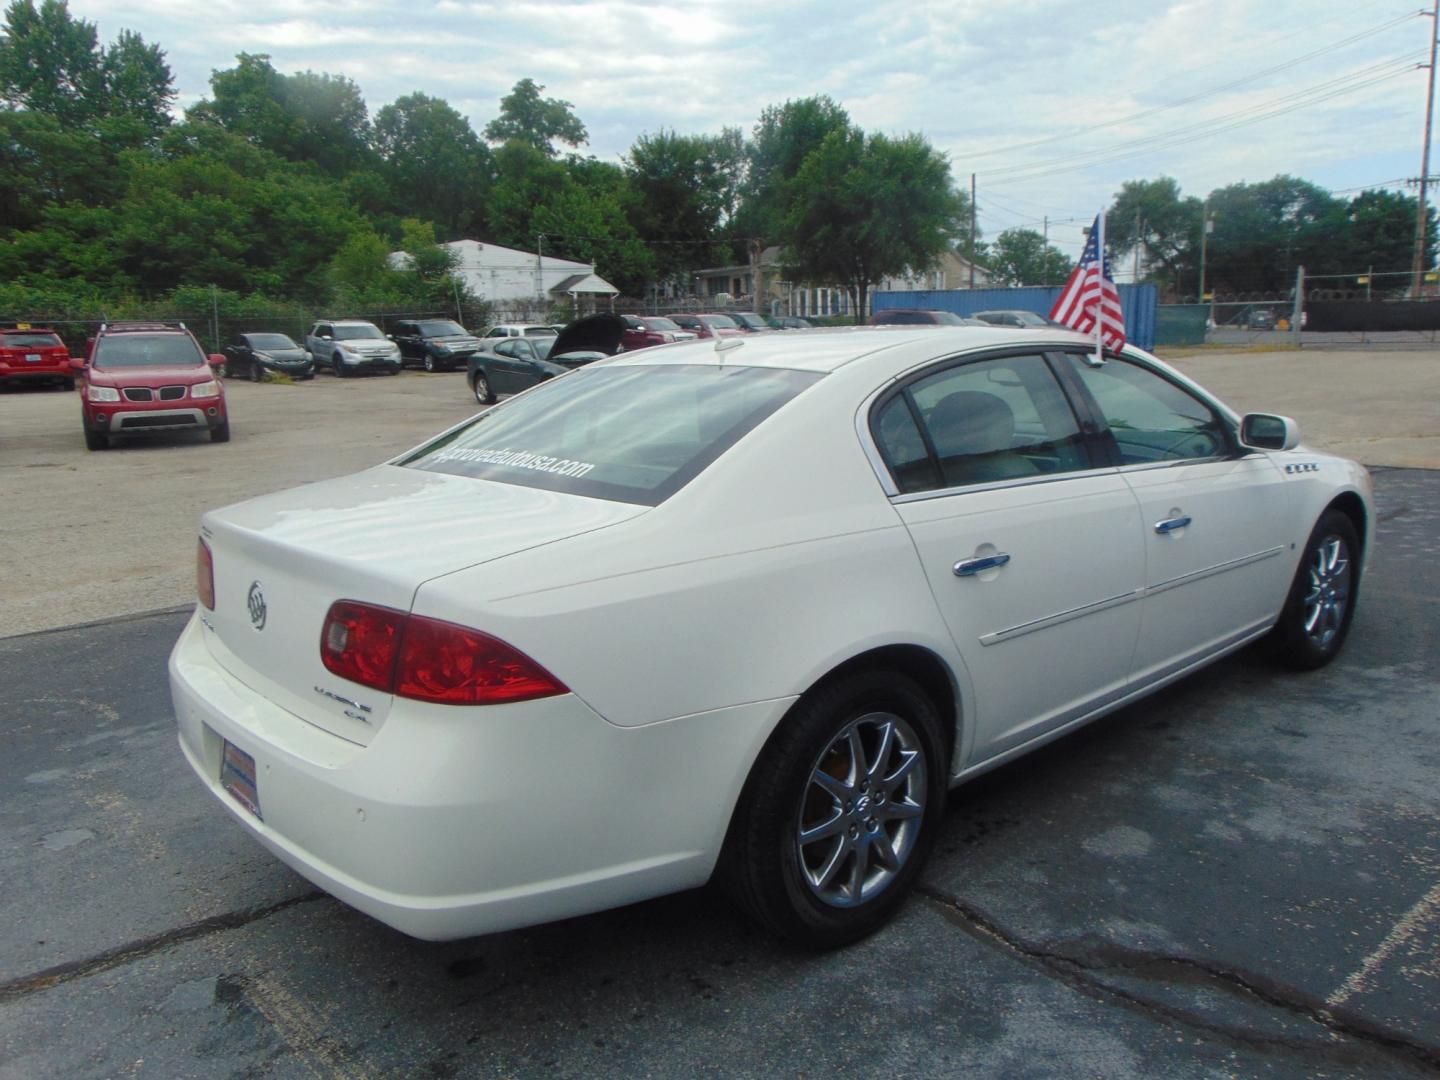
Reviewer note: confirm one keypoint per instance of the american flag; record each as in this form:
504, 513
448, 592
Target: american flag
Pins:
1088, 290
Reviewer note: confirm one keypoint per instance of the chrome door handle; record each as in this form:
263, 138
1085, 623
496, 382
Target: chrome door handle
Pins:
1171, 524
971, 567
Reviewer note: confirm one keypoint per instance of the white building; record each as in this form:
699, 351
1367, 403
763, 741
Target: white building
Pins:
504, 275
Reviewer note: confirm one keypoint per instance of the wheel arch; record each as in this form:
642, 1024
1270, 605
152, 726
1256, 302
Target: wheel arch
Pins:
1352, 506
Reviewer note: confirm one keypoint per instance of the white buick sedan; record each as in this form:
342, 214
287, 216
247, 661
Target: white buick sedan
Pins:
744, 612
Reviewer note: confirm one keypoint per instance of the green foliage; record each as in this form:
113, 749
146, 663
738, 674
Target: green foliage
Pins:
682, 188
1169, 228
432, 155
538, 122
780, 142
863, 207
308, 117
1021, 257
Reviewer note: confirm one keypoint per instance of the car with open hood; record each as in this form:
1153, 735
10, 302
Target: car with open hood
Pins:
148, 377
434, 344
508, 365
739, 608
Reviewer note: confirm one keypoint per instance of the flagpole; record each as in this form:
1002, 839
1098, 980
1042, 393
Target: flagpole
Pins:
1100, 306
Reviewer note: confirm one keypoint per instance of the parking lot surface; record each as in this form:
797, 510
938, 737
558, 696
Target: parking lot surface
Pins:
1239, 876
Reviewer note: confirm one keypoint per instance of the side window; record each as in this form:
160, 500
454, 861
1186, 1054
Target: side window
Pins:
524, 350
495, 331
505, 348
990, 420
405, 329
1150, 417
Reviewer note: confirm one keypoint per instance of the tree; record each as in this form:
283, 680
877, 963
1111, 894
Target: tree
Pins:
1264, 231
780, 143
528, 118
52, 64
311, 117
1169, 228
867, 206
1021, 257
681, 189
1381, 233
437, 166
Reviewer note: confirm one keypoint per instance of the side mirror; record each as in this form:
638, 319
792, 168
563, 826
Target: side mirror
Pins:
1262, 431
77, 363
390, 336
217, 360
324, 337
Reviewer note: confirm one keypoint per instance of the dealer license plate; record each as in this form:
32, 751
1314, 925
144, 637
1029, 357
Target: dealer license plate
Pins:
237, 776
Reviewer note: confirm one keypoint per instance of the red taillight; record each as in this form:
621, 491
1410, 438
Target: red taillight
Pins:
428, 660
205, 575
453, 665
359, 643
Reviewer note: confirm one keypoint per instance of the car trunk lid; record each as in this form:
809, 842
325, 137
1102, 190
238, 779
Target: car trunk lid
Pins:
282, 560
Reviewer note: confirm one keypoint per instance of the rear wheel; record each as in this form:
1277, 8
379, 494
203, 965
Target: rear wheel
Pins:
1317, 614
222, 370
68, 384
96, 440
840, 810
483, 393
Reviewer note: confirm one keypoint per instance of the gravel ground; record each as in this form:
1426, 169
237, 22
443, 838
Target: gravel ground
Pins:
106, 534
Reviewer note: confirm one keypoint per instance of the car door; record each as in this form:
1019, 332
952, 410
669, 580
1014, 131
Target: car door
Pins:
322, 343
503, 369
1032, 547
408, 339
1215, 521
237, 355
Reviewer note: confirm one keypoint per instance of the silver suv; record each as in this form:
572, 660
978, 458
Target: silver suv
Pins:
350, 346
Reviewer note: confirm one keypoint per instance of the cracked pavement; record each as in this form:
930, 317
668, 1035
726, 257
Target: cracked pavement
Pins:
1239, 876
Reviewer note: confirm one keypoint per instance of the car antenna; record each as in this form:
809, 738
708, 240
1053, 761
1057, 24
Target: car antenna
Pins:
724, 345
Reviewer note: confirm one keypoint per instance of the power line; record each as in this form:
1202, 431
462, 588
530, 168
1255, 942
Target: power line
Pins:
1202, 94
1313, 95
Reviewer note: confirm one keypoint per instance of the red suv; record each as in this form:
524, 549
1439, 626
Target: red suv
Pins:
33, 354
642, 331
151, 377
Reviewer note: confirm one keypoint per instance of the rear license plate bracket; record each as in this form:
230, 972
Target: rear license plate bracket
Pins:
237, 776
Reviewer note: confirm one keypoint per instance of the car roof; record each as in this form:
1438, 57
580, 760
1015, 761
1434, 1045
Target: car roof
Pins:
831, 348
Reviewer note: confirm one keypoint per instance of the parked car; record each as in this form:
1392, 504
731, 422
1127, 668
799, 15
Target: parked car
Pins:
789, 322
1026, 320
917, 317
350, 346
643, 331
749, 613
513, 364
254, 354
33, 354
521, 330
1260, 319
749, 322
707, 326
143, 377
434, 344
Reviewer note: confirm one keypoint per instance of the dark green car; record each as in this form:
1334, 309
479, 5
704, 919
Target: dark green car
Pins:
509, 365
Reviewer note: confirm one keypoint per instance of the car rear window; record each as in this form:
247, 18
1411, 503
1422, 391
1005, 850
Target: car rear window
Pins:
628, 434
147, 350
29, 340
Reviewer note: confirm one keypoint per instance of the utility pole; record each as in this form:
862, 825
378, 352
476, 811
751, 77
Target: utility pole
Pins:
1205, 225
972, 221
539, 271
1045, 250
1417, 263
1135, 275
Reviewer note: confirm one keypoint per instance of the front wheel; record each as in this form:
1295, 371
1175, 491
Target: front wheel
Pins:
1317, 614
68, 384
483, 394
221, 433
430, 363
257, 373
96, 440
840, 810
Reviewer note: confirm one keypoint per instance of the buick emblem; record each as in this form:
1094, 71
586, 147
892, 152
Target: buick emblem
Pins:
256, 603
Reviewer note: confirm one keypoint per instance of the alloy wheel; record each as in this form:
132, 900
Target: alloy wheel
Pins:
1328, 596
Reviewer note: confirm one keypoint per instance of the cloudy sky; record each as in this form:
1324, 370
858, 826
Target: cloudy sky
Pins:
1052, 104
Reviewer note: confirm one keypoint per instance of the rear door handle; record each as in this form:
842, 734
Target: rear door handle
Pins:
1171, 524
971, 567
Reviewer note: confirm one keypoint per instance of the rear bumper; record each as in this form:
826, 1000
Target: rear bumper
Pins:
47, 372
454, 822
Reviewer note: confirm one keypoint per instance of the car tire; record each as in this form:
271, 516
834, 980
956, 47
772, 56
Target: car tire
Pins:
67, 384
96, 440
869, 802
430, 363
221, 433
257, 373
1316, 618
340, 370
483, 394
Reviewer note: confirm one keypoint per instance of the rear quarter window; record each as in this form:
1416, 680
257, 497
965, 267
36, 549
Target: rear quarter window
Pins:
628, 434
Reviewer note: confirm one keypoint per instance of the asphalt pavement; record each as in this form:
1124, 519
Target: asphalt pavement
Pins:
1239, 876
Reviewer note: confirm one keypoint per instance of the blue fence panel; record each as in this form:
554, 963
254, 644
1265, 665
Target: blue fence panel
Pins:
1139, 302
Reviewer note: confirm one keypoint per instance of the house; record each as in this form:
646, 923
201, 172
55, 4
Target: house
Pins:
506, 276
